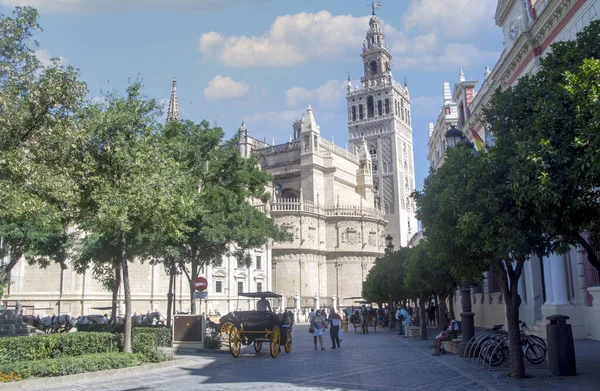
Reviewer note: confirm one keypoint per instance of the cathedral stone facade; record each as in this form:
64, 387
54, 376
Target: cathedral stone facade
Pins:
323, 196
338, 205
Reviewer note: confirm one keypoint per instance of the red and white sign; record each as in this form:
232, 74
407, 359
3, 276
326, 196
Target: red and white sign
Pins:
200, 284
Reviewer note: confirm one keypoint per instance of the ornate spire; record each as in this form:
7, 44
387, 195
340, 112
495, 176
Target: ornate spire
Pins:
461, 76
173, 113
374, 5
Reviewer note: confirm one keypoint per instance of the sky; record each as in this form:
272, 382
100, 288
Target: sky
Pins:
264, 61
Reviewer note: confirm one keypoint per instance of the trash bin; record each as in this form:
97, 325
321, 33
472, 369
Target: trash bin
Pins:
561, 349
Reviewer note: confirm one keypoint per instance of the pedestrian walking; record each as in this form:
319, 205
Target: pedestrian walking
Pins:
335, 320
319, 324
405, 319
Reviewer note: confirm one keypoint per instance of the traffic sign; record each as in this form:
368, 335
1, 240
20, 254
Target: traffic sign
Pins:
200, 295
200, 284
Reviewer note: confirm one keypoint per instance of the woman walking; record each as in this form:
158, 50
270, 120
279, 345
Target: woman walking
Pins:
335, 320
319, 323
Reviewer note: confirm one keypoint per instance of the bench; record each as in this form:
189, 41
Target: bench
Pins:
452, 346
414, 331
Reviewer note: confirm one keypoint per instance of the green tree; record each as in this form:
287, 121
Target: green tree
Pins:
474, 194
550, 120
223, 219
133, 193
36, 137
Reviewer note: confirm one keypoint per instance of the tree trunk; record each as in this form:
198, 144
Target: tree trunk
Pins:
589, 250
509, 286
115, 294
5, 270
127, 348
443, 311
423, 317
170, 295
451, 302
437, 310
192, 279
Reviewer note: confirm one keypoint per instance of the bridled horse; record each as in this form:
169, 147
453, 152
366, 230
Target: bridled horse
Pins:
56, 324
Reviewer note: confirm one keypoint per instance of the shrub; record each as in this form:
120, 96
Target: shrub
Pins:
162, 334
145, 344
41, 347
72, 365
9, 377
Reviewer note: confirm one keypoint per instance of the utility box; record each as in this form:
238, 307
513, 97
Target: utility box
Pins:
561, 348
188, 331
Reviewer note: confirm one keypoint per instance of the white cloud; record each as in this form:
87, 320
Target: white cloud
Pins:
451, 18
46, 58
328, 95
297, 39
291, 40
125, 5
225, 88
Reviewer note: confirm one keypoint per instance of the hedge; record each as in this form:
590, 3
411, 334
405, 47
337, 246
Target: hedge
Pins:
162, 334
53, 346
73, 365
49, 346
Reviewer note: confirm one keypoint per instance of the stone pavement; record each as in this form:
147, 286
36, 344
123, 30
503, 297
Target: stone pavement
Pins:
381, 360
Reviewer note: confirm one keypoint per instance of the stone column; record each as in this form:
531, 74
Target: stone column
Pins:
282, 303
548, 281
467, 318
334, 299
559, 280
316, 301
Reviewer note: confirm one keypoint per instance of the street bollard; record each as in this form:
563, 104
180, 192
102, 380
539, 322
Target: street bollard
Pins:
561, 348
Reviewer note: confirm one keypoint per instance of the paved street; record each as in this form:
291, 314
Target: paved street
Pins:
378, 361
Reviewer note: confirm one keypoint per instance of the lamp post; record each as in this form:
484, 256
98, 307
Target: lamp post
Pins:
388, 243
455, 137
467, 317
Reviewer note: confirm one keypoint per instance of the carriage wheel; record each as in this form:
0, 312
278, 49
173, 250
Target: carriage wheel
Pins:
235, 342
257, 346
275, 340
225, 332
288, 341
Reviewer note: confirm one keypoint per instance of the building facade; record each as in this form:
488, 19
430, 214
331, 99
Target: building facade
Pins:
379, 112
565, 284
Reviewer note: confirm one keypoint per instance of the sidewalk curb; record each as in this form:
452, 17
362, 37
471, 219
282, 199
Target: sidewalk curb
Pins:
47, 382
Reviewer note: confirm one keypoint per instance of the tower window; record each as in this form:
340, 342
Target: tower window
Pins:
370, 107
373, 66
387, 106
360, 111
379, 109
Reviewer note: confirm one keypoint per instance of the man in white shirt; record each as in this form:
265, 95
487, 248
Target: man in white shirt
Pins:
311, 314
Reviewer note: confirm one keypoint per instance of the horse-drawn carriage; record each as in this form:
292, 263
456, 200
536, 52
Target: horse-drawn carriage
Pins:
362, 317
257, 327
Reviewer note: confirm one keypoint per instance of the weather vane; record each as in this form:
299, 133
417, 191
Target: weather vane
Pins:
374, 5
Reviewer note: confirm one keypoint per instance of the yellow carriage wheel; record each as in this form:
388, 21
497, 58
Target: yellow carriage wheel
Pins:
225, 332
257, 346
235, 341
288, 341
275, 340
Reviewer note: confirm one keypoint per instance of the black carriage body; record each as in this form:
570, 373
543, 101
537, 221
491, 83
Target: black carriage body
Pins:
257, 325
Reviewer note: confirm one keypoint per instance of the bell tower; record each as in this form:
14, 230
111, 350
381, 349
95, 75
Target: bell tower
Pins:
379, 113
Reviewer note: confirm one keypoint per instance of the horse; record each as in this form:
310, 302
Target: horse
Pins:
153, 318
56, 324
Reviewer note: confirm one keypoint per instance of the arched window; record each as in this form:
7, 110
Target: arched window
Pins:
373, 66
387, 106
370, 107
353, 113
360, 111
379, 108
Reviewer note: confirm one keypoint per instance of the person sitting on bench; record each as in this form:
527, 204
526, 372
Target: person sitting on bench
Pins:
447, 335
263, 304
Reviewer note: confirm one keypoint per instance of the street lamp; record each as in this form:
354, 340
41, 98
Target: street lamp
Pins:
453, 136
388, 243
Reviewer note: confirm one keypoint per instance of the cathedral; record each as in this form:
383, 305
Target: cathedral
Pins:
339, 206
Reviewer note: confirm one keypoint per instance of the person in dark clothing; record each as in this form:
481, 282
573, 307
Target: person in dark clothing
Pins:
335, 320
